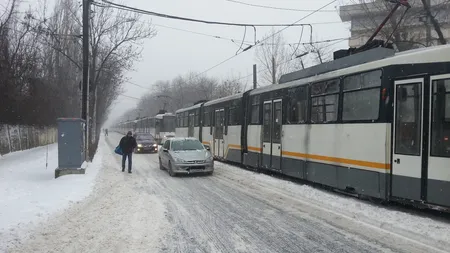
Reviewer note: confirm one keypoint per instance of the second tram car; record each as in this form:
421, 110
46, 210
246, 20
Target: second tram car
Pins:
160, 126
375, 124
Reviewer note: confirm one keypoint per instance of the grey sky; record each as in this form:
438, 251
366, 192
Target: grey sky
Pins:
172, 52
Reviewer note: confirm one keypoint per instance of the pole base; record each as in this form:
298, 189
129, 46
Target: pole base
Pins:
62, 172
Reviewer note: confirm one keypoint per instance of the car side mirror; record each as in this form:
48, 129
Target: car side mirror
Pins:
165, 150
207, 147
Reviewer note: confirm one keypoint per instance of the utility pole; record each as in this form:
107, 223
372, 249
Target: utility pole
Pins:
85, 90
427, 24
274, 69
255, 80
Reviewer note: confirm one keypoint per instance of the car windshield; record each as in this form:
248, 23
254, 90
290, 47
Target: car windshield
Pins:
182, 145
144, 138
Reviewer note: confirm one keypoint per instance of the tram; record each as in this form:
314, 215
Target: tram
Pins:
376, 124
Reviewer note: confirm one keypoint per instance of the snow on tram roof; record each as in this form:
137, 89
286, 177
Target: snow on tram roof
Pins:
422, 55
228, 98
189, 108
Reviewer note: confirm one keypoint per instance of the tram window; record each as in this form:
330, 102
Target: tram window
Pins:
408, 119
186, 119
277, 123
197, 118
191, 122
297, 105
206, 118
362, 96
255, 110
440, 125
324, 108
363, 80
232, 116
267, 120
327, 87
361, 105
178, 120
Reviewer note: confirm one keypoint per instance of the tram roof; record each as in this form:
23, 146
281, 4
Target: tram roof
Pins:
417, 56
224, 99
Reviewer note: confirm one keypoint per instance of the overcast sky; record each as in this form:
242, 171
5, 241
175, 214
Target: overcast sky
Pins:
173, 52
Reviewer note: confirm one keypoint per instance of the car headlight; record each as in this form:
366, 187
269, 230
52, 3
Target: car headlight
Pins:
179, 160
209, 159
155, 145
140, 145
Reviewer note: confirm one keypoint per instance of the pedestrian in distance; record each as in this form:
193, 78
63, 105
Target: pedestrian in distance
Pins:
127, 144
106, 132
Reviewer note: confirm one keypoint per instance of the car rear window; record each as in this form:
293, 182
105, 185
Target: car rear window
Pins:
144, 138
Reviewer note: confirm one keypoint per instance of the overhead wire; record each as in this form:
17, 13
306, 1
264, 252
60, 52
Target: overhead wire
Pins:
300, 40
243, 39
266, 38
286, 26
161, 15
135, 98
276, 8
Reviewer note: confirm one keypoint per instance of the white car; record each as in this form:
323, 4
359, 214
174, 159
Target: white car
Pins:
185, 156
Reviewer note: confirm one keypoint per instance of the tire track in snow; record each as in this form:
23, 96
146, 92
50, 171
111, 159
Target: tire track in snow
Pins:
223, 219
149, 211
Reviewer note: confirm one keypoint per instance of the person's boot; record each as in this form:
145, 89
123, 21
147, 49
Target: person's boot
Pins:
129, 171
123, 169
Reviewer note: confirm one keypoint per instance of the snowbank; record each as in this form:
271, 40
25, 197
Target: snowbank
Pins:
409, 225
29, 193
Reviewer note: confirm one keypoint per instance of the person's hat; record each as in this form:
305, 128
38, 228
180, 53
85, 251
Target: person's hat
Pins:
129, 133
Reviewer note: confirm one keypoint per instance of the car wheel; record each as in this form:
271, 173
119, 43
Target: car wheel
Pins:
171, 173
209, 173
161, 167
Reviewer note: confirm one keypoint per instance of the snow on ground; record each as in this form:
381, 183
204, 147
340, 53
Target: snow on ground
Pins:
29, 192
123, 214
422, 229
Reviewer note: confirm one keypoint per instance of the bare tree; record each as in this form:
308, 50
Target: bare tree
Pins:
40, 61
409, 33
319, 52
181, 92
272, 55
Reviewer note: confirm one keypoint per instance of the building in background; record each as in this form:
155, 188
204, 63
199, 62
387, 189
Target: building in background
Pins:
414, 31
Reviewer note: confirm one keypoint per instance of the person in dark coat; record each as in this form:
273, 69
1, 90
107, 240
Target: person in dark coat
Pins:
127, 144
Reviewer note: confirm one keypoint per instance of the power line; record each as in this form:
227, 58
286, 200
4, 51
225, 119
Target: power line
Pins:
226, 38
135, 98
276, 8
285, 62
220, 23
268, 37
161, 15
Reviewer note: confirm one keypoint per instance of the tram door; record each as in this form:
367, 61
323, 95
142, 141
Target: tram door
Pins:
272, 129
191, 125
218, 133
407, 167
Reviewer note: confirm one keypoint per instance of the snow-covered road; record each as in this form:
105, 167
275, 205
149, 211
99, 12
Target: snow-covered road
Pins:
232, 211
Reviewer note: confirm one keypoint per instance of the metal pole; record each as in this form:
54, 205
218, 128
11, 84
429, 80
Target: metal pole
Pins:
274, 74
255, 80
427, 24
85, 90
383, 23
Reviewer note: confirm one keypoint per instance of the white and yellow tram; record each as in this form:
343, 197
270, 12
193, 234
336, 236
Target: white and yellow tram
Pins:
159, 126
375, 124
